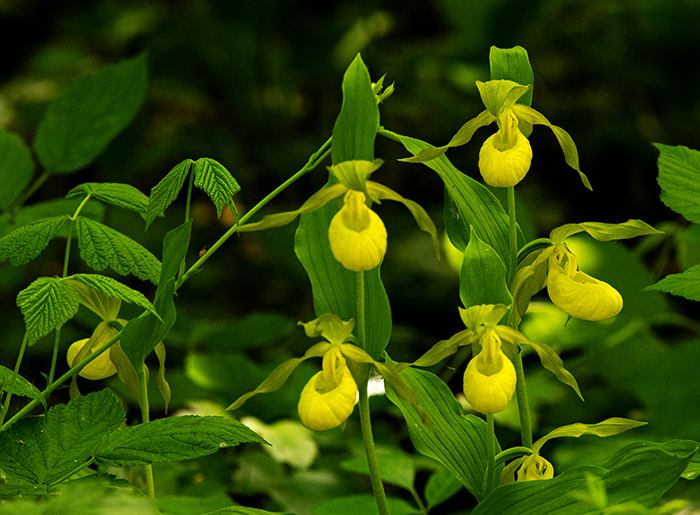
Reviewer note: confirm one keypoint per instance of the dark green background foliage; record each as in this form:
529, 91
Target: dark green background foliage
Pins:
256, 86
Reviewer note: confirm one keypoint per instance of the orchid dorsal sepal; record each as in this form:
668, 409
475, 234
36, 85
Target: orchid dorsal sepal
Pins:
482, 314
354, 174
604, 231
329, 326
279, 375
499, 95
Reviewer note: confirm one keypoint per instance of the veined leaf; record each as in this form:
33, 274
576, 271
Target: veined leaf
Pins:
172, 439
40, 210
482, 279
46, 304
27, 241
513, 64
216, 181
79, 124
114, 288
44, 450
21, 386
679, 178
686, 284
610, 427
456, 441
115, 193
604, 232
165, 192
16, 167
102, 247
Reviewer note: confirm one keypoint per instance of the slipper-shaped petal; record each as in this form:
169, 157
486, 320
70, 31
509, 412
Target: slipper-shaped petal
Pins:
581, 296
505, 167
357, 234
99, 368
321, 408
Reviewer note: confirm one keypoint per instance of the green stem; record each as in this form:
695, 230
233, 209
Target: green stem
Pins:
6, 405
145, 418
58, 382
313, 162
365, 420
491, 449
520, 388
370, 451
187, 215
421, 505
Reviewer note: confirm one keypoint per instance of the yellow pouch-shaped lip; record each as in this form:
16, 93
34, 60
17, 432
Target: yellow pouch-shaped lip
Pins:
505, 168
320, 410
99, 368
581, 296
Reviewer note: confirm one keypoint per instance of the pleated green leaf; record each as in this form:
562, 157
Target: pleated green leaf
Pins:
457, 441
44, 450
641, 472
172, 439
482, 279
46, 305
28, 241
79, 124
103, 247
216, 181
679, 178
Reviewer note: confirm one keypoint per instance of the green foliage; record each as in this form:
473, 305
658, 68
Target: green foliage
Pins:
46, 305
113, 288
679, 178
114, 193
82, 121
16, 167
28, 241
483, 276
20, 386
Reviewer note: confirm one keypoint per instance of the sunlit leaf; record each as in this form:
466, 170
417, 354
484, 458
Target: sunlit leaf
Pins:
609, 427
28, 241
679, 178
165, 192
603, 231
686, 284
46, 304
513, 64
216, 181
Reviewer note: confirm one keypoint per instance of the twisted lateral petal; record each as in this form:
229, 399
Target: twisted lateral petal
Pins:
99, 368
581, 296
504, 168
535, 467
357, 235
489, 380
322, 408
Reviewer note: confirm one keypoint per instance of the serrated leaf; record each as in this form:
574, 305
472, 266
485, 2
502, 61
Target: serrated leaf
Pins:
79, 124
51, 208
28, 241
115, 193
102, 247
679, 178
113, 288
43, 450
165, 192
172, 439
216, 181
21, 386
46, 304
686, 284
16, 167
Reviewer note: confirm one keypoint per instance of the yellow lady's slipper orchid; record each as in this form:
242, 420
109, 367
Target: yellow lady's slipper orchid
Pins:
489, 380
99, 368
535, 467
577, 294
326, 403
357, 235
505, 157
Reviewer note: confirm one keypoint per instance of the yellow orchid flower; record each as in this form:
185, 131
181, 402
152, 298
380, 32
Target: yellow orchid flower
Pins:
535, 467
504, 158
578, 294
99, 368
357, 235
489, 380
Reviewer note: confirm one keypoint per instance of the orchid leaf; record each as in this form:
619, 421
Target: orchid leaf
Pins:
610, 427
513, 64
482, 279
604, 231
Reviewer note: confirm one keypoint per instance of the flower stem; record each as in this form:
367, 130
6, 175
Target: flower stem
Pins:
520, 388
491, 449
15, 373
145, 418
365, 421
312, 163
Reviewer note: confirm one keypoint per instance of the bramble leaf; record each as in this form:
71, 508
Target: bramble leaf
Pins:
28, 241
685, 284
46, 304
113, 288
21, 387
80, 123
16, 167
679, 178
102, 247
45, 450
172, 439
115, 193
216, 181
165, 192
609, 427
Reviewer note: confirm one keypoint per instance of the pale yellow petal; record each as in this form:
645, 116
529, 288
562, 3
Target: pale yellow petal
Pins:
99, 368
581, 296
535, 467
320, 411
506, 167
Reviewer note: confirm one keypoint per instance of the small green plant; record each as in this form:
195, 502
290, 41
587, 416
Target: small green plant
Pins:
69, 449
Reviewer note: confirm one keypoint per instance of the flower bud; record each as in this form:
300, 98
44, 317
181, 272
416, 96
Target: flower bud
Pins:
357, 235
535, 467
